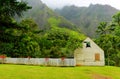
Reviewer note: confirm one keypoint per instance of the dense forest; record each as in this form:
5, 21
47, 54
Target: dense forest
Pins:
109, 39
25, 38
38, 31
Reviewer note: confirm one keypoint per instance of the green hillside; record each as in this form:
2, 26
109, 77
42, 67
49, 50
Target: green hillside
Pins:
52, 36
41, 14
37, 72
87, 18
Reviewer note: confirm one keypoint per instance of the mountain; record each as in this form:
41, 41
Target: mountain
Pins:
88, 18
42, 15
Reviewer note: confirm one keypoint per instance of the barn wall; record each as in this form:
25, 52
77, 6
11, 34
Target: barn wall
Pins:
86, 55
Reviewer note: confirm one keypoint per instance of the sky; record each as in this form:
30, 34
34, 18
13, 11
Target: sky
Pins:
60, 3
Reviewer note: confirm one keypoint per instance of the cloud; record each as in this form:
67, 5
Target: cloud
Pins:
61, 3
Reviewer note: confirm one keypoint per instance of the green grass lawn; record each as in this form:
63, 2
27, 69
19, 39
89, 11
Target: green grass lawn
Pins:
37, 72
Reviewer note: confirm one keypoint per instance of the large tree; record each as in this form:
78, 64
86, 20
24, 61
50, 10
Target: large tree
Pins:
102, 28
109, 40
59, 42
116, 18
10, 30
8, 9
12, 7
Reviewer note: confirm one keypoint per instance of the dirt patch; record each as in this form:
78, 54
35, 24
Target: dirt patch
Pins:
97, 76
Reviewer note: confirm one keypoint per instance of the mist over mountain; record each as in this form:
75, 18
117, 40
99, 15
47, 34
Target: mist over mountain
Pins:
85, 19
88, 18
42, 14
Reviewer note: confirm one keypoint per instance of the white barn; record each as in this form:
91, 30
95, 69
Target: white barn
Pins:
90, 55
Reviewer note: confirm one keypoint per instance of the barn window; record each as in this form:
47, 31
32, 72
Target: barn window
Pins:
87, 44
97, 57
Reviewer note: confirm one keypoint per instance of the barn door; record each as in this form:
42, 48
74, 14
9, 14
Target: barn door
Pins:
97, 57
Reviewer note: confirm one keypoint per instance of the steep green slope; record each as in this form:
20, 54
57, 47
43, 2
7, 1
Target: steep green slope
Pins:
41, 14
87, 18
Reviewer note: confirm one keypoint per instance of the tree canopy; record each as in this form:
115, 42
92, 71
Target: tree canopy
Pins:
109, 40
12, 7
25, 38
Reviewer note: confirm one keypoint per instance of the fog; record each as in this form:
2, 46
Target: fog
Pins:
60, 3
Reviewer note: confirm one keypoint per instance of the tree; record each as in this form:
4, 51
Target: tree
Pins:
109, 40
10, 30
116, 18
8, 9
102, 28
61, 42
12, 7
117, 31
30, 38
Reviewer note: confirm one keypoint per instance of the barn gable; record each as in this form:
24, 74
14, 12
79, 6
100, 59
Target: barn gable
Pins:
90, 54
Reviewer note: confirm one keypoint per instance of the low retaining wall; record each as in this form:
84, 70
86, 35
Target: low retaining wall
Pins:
40, 61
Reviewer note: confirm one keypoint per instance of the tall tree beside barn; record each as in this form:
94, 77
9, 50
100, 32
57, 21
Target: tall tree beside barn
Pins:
109, 40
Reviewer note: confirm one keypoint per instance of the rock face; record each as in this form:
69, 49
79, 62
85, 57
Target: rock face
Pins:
90, 55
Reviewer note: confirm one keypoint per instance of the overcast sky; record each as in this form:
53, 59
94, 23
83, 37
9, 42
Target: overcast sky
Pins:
61, 3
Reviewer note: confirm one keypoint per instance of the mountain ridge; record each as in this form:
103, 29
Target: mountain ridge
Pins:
88, 18
41, 13
82, 19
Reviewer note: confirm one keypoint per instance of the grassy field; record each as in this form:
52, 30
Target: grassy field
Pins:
38, 72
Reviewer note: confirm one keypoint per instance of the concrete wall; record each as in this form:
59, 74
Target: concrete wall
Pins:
41, 61
86, 55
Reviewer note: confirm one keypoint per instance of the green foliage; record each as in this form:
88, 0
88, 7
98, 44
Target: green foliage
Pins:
12, 7
6, 48
10, 30
53, 22
62, 42
102, 28
29, 39
25, 39
116, 18
20, 40
109, 41
117, 31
